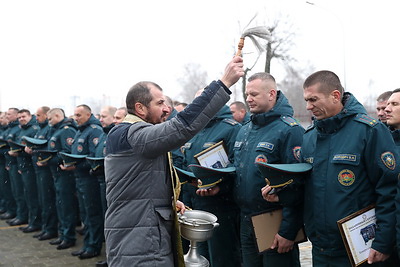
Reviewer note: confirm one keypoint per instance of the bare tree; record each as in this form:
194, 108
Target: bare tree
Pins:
194, 78
280, 44
278, 47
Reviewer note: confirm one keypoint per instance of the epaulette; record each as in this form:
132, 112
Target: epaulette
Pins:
35, 127
94, 126
366, 119
230, 121
289, 120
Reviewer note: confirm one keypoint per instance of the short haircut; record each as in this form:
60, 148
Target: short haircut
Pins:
169, 102
124, 109
264, 76
329, 82
45, 109
111, 110
183, 104
14, 109
385, 96
85, 107
239, 105
24, 111
58, 111
139, 93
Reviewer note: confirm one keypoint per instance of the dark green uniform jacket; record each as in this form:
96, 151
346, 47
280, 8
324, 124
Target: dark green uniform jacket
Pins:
86, 139
354, 165
63, 134
273, 137
396, 138
30, 129
221, 128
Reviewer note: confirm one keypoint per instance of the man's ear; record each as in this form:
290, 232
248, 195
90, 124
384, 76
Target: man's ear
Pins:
140, 109
337, 96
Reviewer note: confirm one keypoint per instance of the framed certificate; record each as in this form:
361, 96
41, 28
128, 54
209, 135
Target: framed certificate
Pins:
358, 232
213, 157
266, 225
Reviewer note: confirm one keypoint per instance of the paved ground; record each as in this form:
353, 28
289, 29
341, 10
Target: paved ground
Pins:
18, 249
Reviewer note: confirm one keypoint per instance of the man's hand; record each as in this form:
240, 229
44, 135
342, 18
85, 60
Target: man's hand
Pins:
284, 245
180, 206
233, 72
270, 198
212, 191
28, 150
376, 256
41, 164
69, 168
13, 154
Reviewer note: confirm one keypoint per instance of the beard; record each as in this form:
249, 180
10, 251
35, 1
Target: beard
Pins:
155, 120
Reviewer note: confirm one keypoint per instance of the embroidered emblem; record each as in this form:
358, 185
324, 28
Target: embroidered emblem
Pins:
266, 145
69, 140
80, 148
52, 144
296, 152
95, 141
345, 157
346, 177
389, 160
261, 158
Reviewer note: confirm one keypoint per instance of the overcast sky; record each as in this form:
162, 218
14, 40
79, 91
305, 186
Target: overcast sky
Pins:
60, 53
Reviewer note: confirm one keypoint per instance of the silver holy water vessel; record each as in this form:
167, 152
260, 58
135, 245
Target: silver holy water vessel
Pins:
196, 226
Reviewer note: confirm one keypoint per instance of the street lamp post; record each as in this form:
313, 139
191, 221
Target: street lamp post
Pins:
343, 35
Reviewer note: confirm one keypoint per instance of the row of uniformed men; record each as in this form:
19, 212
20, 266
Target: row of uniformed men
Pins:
37, 185
354, 166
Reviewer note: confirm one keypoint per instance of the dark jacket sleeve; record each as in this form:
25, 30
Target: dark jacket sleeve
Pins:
155, 140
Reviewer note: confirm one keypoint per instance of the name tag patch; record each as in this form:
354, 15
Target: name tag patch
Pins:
266, 145
345, 157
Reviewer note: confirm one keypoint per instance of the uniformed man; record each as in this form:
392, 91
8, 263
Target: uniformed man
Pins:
239, 112
12, 167
354, 165
63, 133
223, 249
392, 112
5, 184
45, 184
107, 122
29, 128
85, 141
119, 115
107, 118
271, 136
381, 103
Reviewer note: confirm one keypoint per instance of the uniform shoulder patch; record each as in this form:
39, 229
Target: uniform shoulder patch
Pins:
289, 120
366, 119
230, 121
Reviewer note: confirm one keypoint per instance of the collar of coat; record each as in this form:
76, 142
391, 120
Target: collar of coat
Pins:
132, 119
